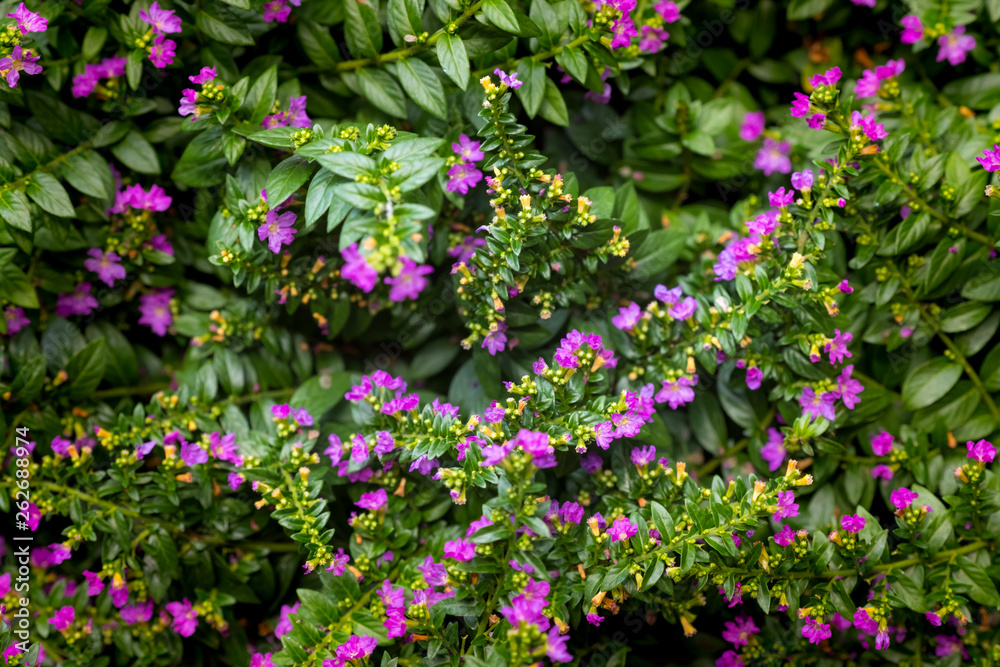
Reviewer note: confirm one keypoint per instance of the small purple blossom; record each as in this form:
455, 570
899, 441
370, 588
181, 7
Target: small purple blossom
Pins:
852, 523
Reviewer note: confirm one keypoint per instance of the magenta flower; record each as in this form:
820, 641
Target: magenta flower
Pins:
882, 471
459, 550
373, 500
868, 85
77, 302
933, 618
787, 507
16, 319
874, 131
357, 270
28, 21
913, 30
816, 121
154, 200
462, 177
802, 180
189, 103
163, 51
753, 125
864, 622
278, 229
773, 157
953, 47
284, 621
355, 648
684, 309
764, 223
119, 590
676, 393
816, 631
831, 76
785, 536
740, 632
137, 613
643, 455
467, 149
982, 451
668, 296
818, 405
882, 443
852, 523
495, 341
774, 451
106, 266
94, 583
63, 618
276, 11
192, 454
19, 60
650, 41
571, 512
509, 81
991, 159
161, 20
729, 659
902, 498
781, 198
622, 529
837, 347
185, 617
627, 317
623, 30
754, 377
410, 282
261, 660
60, 446
800, 105
204, 76
155, 310
224, 447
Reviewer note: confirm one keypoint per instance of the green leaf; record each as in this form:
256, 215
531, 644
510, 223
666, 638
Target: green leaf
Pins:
348, 164
286, 178
29, 379
93, 41
545, 18
574, 62
261, 96
86, 370
929, 382
404, 20
222, 24
229, 368
804, 9
423, 86
453, 58
982, 588
47, 192
321, 393
89, 173
433, 358
319, 195
553, 107
976, 92
501, 15
14, 285
986, 290
136, 153
122, 366
382, 91
14, 209
318, 43
133, 68
362, 29
532, 91
363, 195
964, 316
990, 371
662, 520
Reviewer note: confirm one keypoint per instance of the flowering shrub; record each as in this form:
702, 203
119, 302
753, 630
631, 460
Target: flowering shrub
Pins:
498, 344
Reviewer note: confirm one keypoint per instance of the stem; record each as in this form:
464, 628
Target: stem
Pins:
138, 390
48, 166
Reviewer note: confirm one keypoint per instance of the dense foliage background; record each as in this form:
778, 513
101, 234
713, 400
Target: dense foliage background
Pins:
425, 332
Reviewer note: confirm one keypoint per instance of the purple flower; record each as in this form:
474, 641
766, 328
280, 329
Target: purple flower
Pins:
373, 500
144, 448
284, 621
676, 392
668, 296
845, 287
753, 125
77, 302
604, 434
28, 21
802, 180
982, 451
800, 105
63, 618
60, 446
106, 266
785, 536
933, 619
467, 149
555, 646
773, 157
864, 622
435, 574
787, 507
410, 281
781, 198
571, 512
155, 310
953, 46
296, 114
622, 529
830, 77
193, 454
15, 319
643, 455
186, 618
495, 341
494, 413
754, 377
278, 229
261, 660
883, 471
163, 51
816, 631
774, 451
509, 81
19, 60
154, 200
424, 465
837, 347
651, 41
137, 613
94, 583
204, 76
302, 417
902, 498
882, 443
874, 131
913, 30
355, 648
684, 309
462, 177
868, 84
818, 406
852, 523
623, 30
740, 632
162, 20
276, 11
481, 522
729, 659
991, 159
357, 270
816, 121
627, 317
459, 550
235, 480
